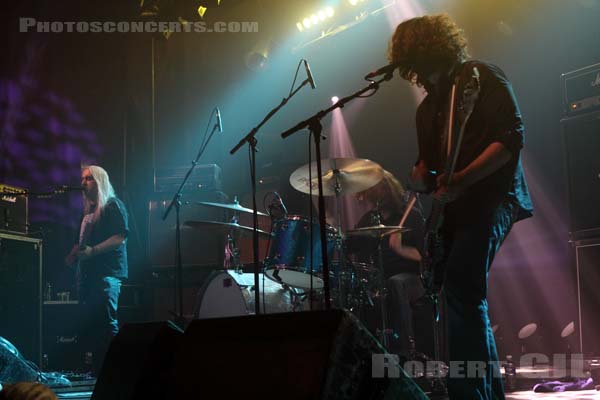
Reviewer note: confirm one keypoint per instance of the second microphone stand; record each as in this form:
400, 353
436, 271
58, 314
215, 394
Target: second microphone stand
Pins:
180, 319
250, 138
313, 123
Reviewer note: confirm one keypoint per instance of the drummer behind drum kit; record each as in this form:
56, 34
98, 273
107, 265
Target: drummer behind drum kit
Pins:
293, 265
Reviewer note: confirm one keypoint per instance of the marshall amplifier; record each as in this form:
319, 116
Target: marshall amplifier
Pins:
199, 247
21, 293
205, 178
581, 90
587, 262
581, 136
13, 209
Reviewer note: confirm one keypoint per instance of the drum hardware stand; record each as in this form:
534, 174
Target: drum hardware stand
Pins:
339, 245
313, 123
384, 334
250, 138
180, 320
232, 253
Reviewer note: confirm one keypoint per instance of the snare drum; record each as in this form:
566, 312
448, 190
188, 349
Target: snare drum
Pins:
289, 253
220, 296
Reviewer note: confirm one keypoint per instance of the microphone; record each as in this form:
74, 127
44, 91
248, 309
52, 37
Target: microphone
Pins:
388, 69
67, 188
311, 80
219, 122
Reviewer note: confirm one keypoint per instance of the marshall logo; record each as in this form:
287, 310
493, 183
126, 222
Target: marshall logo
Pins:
596, 82
66, 339
10, 199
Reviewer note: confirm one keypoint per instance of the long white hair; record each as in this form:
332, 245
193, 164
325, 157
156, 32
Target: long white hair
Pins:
105, 191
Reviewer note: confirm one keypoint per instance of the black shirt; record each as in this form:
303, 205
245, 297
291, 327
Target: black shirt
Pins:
495, 118
112, 221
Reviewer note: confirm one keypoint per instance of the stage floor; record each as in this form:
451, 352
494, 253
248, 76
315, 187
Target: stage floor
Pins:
524, 395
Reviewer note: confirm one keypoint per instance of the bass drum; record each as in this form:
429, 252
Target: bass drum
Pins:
274, 297
220, 296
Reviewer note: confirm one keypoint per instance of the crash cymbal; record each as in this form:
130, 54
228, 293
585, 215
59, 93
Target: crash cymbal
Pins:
349, 175
224, 227
235, 206
377, 230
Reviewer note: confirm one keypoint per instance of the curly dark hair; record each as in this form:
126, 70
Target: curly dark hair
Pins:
422, 42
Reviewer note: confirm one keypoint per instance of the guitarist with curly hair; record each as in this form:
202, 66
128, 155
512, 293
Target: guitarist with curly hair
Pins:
469, 131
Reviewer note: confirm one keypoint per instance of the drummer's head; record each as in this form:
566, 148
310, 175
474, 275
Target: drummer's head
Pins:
388, 193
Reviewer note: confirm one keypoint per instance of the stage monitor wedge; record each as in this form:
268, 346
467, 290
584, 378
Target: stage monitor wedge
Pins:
293, 356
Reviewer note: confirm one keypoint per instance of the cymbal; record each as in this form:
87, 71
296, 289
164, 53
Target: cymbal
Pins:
225, 227
377, 230
231, 206
350, 175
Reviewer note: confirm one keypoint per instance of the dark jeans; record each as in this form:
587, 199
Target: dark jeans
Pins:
99, 299
404, 290
470, 250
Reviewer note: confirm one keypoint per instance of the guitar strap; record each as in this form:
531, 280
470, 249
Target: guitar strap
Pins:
450, 123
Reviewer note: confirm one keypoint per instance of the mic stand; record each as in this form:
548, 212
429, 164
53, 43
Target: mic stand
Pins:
313, 123
252, 142
180, 320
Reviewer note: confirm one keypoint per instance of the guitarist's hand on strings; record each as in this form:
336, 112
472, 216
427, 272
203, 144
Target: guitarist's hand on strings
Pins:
86, 252
72, 256
447, 193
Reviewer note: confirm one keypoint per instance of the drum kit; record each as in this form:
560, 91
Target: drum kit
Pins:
293, 268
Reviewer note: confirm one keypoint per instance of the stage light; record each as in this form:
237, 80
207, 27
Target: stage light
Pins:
316, 18
526, 335
568, 330
202, 11
258, 57
334, 99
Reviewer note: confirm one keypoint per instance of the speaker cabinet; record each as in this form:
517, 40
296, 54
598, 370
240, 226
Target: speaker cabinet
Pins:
61, 344
198, 247
138, 363
21, 293
587, 256
582, 147
292, 356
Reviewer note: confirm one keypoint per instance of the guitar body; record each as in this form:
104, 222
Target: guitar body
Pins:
433, 257
432, 261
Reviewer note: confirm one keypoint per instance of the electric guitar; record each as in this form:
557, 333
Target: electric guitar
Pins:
432, 265
432, 259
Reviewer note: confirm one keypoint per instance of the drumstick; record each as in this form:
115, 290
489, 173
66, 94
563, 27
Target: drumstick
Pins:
411, 203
